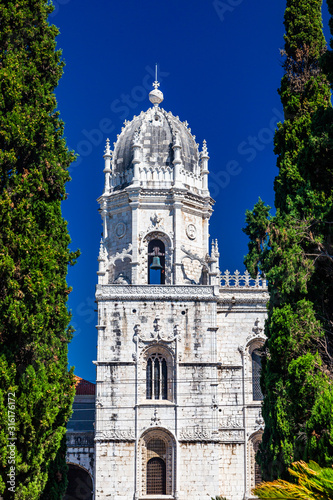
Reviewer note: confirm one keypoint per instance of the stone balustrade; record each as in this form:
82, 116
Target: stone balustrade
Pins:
238, 280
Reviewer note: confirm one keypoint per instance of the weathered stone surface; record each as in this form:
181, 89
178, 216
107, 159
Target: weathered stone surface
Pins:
174, 365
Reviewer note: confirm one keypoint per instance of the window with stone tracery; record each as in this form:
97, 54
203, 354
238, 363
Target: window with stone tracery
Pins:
157, 377
256, 369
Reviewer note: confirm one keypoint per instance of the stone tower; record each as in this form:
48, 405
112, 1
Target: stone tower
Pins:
175, 404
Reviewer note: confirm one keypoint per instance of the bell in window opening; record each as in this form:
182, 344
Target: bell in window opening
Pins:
156, 262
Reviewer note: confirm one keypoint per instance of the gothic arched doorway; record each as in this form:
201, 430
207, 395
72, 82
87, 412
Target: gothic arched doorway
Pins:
157, 454
80, 486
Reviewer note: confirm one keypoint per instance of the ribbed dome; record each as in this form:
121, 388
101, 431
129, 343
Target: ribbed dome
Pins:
155, 130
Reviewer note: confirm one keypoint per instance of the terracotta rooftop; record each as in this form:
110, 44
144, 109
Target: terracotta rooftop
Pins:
84, 387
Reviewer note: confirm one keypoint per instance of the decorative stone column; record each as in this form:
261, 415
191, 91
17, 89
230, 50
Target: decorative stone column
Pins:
214, 264
107, 167
102, 258
177, 227
204, 168
136, 158
177, 162
135, 204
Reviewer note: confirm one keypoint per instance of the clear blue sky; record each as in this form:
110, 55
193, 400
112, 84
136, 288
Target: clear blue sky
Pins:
219, 67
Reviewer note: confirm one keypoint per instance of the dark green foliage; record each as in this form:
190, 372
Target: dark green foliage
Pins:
294, 250
57, 475
34, 240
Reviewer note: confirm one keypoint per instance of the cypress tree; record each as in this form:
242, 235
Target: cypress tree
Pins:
36, 388
294, 249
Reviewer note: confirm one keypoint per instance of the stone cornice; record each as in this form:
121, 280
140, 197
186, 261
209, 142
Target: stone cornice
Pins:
197, 363
113, 363
203, 434
144, 194
234, 298
180, 293
115, 435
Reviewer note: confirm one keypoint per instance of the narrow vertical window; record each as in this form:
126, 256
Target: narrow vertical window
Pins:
256, 369
164, 380
149, 379
157, 379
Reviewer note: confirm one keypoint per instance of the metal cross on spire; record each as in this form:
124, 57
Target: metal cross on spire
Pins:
156, 96
156, 84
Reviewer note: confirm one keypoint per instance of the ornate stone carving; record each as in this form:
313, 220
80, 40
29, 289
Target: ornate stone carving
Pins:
125, 253
155, 220
156, 225
115, 435
122, 279
156, 335
194, 256
231, 422
257, 332
197, 434
260, 423
214, 405
120, 229
151, 292
191, 231
155, 419
231, 436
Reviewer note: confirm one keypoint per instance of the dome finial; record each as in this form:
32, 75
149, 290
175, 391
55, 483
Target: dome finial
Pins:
156, 84
156, 96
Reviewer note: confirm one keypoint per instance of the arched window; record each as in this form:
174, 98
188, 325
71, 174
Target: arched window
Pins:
157, 455
156, 476
156, 467
156, 377
255, 472
256, 369
156, 262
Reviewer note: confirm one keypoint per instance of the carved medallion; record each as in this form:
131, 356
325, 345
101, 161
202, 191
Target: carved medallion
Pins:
191, 231
120, 229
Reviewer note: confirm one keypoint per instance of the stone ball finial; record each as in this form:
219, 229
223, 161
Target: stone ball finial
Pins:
156, 97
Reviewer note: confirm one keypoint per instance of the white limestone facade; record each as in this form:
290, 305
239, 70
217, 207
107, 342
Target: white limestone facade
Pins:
178, 406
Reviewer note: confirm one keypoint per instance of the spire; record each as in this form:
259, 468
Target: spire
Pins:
204, 152
156, 96
156, 83
204, 166
107, 166
107, 152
